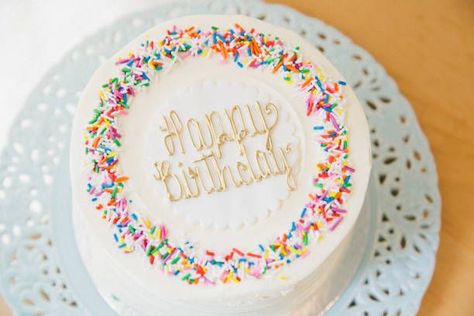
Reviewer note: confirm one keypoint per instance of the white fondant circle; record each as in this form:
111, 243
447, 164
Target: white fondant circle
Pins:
245, 205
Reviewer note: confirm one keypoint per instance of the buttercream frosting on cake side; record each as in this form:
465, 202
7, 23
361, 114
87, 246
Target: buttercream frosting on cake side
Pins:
195, 238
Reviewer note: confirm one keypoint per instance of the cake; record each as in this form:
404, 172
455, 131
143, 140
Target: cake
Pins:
219, 166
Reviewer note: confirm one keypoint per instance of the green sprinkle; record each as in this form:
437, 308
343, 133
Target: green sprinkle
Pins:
186, 277
114, 193
117, 142
160, 245
96, 116
154, 251
176, 259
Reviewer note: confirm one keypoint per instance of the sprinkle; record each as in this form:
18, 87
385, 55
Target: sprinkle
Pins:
250, 254
117, 142
184, 278
121, 179
237, 251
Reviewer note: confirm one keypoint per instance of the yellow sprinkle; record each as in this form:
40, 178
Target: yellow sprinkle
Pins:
283, 277
147, 223
294, 250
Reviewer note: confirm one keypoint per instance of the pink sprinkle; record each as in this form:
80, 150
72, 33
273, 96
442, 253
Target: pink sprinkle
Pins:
336, 223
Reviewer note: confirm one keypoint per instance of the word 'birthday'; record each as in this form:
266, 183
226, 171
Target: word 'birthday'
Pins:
208, 173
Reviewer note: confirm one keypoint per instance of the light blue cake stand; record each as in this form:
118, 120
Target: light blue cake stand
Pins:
40, 268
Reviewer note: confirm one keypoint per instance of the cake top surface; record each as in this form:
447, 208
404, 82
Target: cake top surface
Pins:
223, 150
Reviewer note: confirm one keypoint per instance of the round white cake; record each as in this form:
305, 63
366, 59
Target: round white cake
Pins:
219, 166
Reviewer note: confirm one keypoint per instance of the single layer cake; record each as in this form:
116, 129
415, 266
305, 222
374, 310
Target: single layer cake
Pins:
219, 166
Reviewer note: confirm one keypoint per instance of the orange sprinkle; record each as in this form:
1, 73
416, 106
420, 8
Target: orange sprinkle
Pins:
306, 83
96, 142
223, 50
121, 179
292, 68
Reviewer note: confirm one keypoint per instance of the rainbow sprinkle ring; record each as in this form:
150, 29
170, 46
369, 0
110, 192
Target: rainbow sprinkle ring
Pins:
246, 49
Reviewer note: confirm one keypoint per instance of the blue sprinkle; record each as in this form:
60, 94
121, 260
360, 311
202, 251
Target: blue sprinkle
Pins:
318, 127
318, 82
328, 199
145, 76
221, 37
293, 226
342, 83
346, 180
134, 216
303, 213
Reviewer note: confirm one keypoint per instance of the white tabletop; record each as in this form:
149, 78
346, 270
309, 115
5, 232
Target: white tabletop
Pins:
34, 35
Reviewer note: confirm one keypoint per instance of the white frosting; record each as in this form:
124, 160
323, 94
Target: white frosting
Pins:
148, 289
